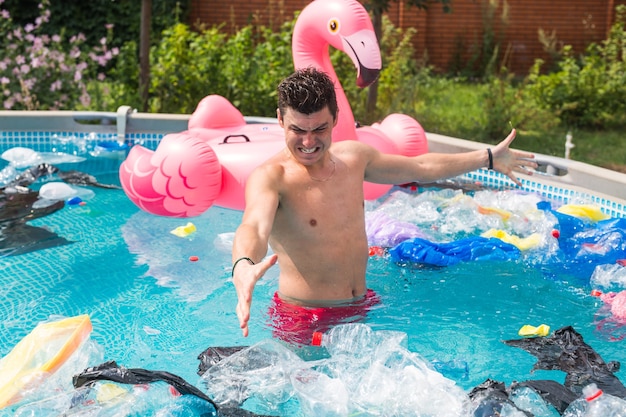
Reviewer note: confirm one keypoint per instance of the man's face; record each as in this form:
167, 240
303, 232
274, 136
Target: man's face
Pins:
307, 137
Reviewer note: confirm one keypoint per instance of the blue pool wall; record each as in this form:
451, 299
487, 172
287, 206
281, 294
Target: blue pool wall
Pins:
155, 127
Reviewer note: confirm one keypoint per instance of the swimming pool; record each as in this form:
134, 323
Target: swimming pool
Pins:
154, 308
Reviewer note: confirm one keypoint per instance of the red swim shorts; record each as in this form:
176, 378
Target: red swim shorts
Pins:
296, 324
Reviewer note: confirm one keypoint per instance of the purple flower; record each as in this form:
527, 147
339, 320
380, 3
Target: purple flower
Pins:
29, 27
85, 100
29, 83
57, 85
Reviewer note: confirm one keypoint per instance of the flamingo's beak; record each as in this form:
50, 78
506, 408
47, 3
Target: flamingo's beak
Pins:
367, 76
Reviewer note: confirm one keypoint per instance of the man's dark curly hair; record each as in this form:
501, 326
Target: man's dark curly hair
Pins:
307, 91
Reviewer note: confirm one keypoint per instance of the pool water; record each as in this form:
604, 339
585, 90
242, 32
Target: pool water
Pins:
154, 308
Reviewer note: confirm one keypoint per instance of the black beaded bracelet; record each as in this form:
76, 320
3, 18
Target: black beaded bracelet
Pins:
243, 258
490, 158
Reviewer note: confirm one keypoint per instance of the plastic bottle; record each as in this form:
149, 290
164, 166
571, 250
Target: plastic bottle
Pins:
600, 404
344, 339
576, 408
357, 340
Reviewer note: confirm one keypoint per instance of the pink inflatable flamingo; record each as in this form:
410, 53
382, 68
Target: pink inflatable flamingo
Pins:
209, 163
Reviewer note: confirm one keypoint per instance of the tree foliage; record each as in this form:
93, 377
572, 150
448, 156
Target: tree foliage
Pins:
91, 18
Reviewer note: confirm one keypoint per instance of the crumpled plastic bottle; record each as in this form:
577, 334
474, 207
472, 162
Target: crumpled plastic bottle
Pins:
357, 340
600, 404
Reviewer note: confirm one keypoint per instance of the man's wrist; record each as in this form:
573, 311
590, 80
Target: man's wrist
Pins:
243, 258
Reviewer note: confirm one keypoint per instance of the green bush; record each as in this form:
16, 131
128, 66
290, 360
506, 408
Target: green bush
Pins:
185, 67
188, 65
588, 91
92, 18
255, 60
39, 71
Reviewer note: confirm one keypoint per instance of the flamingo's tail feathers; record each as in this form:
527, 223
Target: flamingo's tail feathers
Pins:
406, 133
182, 178
215, 112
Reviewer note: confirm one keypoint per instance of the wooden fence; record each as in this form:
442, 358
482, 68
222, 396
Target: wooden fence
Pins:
451, 40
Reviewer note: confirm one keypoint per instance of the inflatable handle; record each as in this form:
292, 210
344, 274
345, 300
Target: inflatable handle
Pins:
225, 141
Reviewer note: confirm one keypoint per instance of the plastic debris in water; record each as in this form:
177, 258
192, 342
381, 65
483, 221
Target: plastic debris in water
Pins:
528, 330
184, 231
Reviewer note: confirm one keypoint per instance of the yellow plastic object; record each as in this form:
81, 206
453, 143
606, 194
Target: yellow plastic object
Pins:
184, 231
528, 330
584, 211
521, 243
108, 392
40, 354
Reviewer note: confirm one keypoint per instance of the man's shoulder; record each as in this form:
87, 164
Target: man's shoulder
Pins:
273, 168
352, 149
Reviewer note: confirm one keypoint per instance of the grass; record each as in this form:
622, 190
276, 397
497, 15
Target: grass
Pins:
457, 109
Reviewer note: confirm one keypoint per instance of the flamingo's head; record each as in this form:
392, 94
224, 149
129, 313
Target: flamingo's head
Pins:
343, 24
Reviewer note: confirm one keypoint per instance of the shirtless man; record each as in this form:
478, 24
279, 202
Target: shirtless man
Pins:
307, 200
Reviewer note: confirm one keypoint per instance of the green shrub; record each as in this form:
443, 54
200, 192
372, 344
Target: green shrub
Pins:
588, 91
255, 60
92, 17
43, 72
185, 66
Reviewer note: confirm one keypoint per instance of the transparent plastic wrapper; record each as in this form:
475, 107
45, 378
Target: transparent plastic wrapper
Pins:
415, 208
43, 362
491, 398
320, 394
386, 232
527, 399
368, 371
108, 399
25, 157
261, 370
609, 277
51, 192
365, 373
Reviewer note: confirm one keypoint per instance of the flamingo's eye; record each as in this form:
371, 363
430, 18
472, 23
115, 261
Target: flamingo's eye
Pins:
333, 26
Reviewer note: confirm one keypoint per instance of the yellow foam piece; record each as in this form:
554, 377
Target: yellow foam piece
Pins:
528, 330
521, 243
39, 354
583, 211
108, 391
184, 231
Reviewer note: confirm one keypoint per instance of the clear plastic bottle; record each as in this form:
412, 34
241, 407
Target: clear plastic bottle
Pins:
358, 340
600, 404
345, 339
